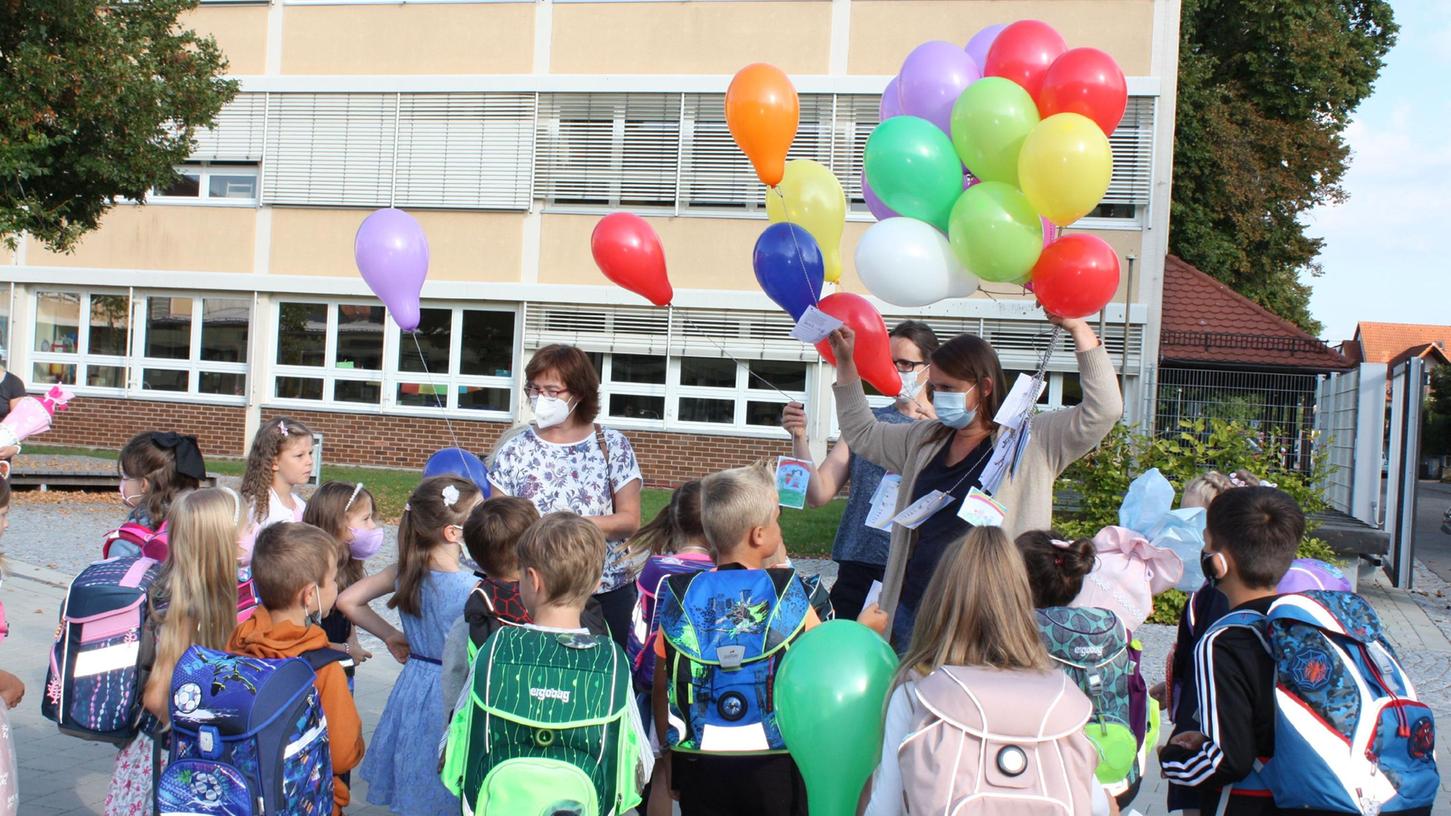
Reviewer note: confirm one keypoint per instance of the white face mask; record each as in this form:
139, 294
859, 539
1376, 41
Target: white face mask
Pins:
549, 411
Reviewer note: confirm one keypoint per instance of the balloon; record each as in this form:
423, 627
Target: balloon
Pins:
978, 46
392, 254
891, 101
907, 262
1308, 574
628, 251
990, 121
995, 232
1076, 276
913, 169
1022, 52
879, 209
461, 463
830, 693
1085, 81
873, 353
788, 266
932, 77
1064, 167
1050, 231
762, 111
811, 196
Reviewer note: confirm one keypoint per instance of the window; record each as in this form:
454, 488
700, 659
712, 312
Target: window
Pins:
697, 392
331, 352
714, 174
210, 183
436, 372
195, 345
608, 149
70, 350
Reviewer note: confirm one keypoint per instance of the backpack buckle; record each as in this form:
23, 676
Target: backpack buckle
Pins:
209, 741
1095, 685
730, 657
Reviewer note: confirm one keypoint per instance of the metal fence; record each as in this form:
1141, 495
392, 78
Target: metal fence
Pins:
1280, 407
1336, 425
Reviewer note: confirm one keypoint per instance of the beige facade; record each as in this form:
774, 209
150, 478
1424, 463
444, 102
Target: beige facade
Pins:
162, 237
408, 38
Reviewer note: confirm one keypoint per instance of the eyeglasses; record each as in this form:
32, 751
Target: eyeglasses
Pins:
548, 391
908, 366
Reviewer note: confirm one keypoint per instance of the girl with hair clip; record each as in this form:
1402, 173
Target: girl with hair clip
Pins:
193, 602
156, 468
345, 512
675, 543
429, 586
279, 461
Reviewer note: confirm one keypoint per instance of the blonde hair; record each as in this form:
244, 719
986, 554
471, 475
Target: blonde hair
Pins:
568, 553
267, 445
1202, 490
734, 501
977, 611
287, 558
196, 593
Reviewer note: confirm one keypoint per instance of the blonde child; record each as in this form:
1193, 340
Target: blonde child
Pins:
193, 601
346, 512
12, 690
156, 468
428, 587
280, 460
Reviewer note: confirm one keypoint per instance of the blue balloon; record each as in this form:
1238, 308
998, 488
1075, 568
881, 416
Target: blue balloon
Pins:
789, 267
458, 462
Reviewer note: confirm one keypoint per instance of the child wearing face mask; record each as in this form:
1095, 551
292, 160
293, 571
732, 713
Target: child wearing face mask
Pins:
279, 461
345, 511
156, 468
294, 567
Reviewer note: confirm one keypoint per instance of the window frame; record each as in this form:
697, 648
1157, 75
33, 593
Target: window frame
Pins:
205, 170
81, 358
193, 364
744, 391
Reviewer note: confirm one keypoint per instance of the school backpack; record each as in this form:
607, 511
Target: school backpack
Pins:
1092, 646
725, 632
151, 543
992, 742
640, 647
1351, 736
547, 728
94, 683
248, 736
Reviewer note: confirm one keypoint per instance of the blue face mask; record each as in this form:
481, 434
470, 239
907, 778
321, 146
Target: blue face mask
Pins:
952, 410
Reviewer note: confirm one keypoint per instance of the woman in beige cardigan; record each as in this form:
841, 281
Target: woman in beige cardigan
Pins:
950, 453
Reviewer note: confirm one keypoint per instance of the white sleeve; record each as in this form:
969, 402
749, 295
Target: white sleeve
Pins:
1099, 803
647, 756
887, 781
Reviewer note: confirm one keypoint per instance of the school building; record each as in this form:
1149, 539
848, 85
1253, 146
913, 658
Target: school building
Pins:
508, 128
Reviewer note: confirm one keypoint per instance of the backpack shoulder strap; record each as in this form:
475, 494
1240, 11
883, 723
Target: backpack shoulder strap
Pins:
605, 449
318, 658
1244, 619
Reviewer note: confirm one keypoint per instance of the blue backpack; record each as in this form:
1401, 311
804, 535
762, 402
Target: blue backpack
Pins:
1350, 734
725, 632
248, 736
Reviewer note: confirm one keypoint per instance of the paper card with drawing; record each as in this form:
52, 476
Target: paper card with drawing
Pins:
922, 509
1019, 403
792, 478
884, 503
981, 510
814, 326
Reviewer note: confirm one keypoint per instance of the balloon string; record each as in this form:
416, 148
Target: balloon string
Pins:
705, 333
439, 403
800, 256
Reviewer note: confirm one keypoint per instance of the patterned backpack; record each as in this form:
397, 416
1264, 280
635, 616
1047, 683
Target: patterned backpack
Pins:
640, 647
725, 632
1350, 734
547, 730
1093, 648
94, 681
248, 736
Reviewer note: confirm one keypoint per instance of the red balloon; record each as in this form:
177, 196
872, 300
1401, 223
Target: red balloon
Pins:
1076, 275
628, 251
1086, 81
873, 353
1023, 52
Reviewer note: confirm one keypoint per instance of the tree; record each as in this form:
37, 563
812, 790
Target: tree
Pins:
97, 101
1265, 93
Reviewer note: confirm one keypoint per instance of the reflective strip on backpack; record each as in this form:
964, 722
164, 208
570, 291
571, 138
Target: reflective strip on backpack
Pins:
308, 737
108, 659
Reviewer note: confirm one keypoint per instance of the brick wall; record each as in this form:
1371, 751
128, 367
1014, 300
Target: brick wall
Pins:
101, 422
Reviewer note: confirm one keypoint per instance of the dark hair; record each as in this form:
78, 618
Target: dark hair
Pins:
493, 530
424, 517
289, 556
676, 525
575, 371
918, 334
1261, 528
142, 458
328, 511
971, 358
4, 493
1055, 573
266, 447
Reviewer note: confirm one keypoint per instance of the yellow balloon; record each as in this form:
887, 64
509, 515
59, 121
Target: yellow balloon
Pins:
811, 196
1064, 167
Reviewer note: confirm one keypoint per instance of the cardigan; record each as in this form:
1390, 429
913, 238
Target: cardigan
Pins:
1058, 439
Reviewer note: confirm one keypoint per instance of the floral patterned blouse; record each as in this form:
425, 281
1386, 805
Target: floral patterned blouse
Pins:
572, 477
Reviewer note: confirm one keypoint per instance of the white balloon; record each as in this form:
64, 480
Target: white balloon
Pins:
907, 262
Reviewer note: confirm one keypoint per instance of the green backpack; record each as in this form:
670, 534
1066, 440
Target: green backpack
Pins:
548, 731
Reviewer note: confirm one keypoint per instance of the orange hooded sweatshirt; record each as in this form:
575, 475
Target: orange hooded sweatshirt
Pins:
260, 636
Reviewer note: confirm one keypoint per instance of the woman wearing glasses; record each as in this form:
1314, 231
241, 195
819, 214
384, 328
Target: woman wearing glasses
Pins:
564, 461
860, 552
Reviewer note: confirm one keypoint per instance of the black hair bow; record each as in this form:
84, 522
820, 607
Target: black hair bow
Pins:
189, 460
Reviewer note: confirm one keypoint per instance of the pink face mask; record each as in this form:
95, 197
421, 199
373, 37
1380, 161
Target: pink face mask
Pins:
366, 543
129, 501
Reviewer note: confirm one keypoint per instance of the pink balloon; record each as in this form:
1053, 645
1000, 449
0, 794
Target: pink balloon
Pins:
891, 100
932, 77
978, 46
392, 254
1050, 231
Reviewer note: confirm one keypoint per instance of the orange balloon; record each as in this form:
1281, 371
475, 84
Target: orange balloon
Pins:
762, 111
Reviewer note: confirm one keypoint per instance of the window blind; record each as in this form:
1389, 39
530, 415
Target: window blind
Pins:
465, 150
330, 149
614, 149
236, 133
1133, 154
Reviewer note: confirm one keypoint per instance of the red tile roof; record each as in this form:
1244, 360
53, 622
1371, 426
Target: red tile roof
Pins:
1382, 342
1204, 321
1426, 351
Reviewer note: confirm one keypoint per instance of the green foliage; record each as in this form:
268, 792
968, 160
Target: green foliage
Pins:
97, 101
1436, 418
1265, 93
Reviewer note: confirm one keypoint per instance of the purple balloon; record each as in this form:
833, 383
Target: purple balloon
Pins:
392, 255
891, 101
932, 77
1308, 574
978, 46
876, 205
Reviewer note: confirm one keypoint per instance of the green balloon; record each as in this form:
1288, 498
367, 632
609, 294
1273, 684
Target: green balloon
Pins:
913, 169
830, 694
989, 123
995, 232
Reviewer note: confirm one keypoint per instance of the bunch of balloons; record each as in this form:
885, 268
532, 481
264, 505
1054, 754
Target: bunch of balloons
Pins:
983, 152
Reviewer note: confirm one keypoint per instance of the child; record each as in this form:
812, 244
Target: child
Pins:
429, 587
345, 512
675, 540
155, 468
294, 567
976, 629
193, 601
550, 676
1250, 538
279, 461
12, 690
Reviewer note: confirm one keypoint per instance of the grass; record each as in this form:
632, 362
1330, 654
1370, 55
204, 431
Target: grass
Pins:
808, 533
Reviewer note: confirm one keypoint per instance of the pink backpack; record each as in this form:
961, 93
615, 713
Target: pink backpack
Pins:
153, 544
989, 741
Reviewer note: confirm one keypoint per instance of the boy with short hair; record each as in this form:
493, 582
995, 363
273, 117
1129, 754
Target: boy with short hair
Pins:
294, 571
